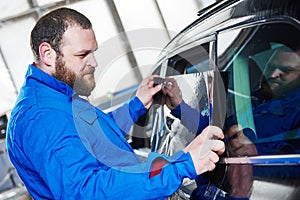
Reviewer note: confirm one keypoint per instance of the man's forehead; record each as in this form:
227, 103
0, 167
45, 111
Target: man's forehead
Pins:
76, 35
287, 57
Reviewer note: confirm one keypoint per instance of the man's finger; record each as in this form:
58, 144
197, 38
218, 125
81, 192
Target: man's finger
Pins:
218, 146
214, 132
214, 157
155, 90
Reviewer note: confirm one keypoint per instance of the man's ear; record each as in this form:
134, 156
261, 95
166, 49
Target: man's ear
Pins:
47, 54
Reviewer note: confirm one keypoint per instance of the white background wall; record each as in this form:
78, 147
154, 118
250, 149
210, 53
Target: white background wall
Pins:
148, 25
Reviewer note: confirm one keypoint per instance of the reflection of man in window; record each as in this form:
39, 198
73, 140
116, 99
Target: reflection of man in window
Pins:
277, 119
277, 122
280, 112
282, 72
277, 113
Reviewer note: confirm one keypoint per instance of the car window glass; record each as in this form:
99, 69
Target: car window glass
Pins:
262, 68
194, 77
193, 60
192, 72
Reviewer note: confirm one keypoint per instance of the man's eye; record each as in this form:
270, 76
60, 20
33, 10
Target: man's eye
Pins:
286, 69
82, 55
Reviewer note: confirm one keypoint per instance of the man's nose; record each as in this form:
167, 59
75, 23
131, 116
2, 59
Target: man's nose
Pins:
276, 73
92, 61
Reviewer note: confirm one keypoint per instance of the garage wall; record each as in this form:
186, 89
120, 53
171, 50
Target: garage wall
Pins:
130, 35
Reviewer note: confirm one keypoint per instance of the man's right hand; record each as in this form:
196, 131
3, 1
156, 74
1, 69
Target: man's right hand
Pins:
205, 149
240, 146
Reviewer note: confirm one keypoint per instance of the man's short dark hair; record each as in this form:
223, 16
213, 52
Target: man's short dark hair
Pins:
51, 27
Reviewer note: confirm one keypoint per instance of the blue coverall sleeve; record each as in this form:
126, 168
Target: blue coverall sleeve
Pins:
70, 171
126, 115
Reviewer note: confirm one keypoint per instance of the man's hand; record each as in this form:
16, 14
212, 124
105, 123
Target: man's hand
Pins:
205, 149
240, 145
172, 94
146, 91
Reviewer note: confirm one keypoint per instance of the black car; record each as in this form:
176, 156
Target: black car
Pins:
225, 65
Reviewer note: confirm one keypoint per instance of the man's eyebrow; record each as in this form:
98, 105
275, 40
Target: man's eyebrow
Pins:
84, 51
287, 68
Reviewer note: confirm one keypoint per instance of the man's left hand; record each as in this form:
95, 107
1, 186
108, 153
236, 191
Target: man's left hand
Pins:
147, 90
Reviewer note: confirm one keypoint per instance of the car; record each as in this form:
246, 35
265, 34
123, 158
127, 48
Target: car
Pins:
220, 63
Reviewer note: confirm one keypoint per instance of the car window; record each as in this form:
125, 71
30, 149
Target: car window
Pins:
192, 71
192, 60
262, 68
259, 69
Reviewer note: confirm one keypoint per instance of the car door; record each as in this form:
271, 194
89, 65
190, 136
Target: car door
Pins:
222, 72
221, 77
193, 68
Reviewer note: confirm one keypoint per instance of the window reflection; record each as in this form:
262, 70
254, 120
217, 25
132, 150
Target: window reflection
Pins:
269, 115
192, 116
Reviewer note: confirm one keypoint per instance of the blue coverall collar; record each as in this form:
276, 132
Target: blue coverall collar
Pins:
35, 73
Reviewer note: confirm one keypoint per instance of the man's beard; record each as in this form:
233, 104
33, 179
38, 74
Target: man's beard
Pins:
78, 82
270, 92
266, 91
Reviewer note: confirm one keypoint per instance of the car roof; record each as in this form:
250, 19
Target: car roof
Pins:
213, 18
